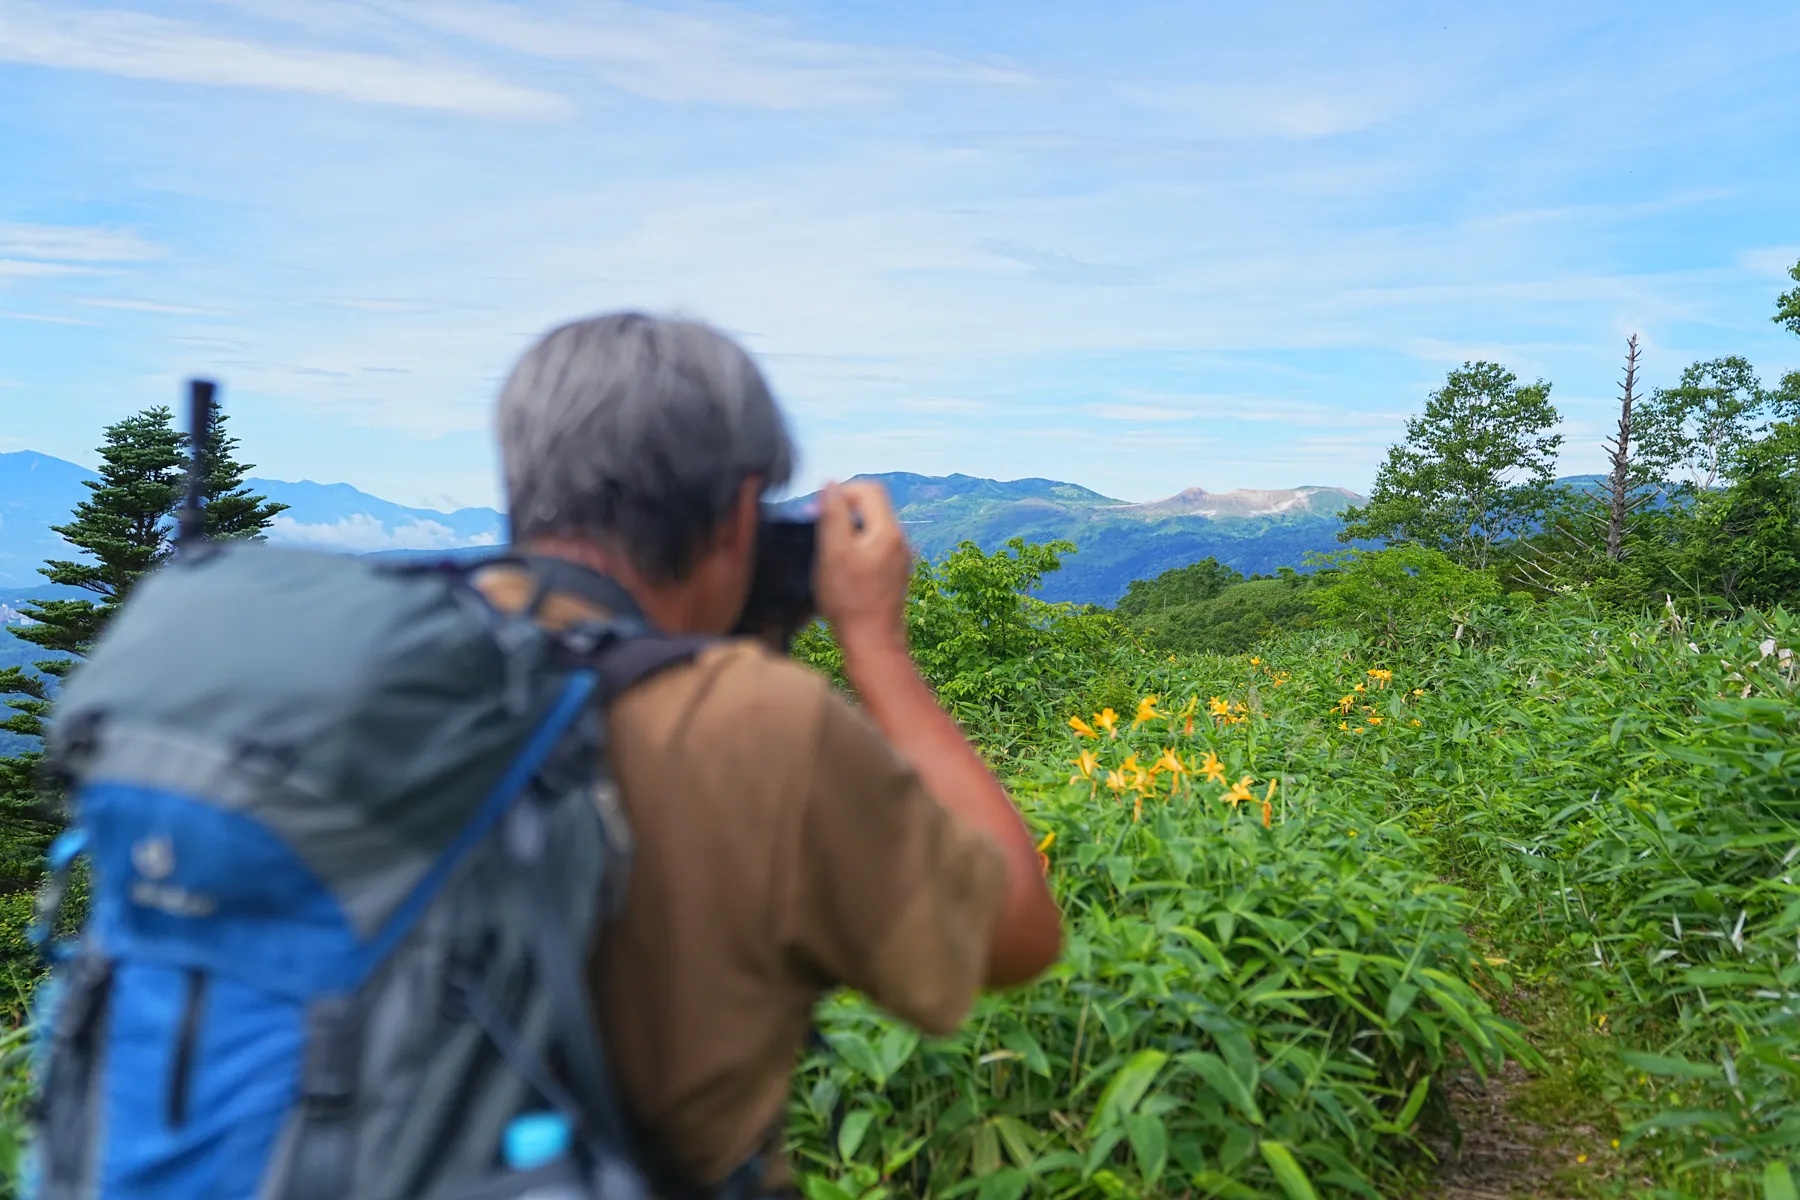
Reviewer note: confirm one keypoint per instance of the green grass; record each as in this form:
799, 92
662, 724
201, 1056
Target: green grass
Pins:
1537, 832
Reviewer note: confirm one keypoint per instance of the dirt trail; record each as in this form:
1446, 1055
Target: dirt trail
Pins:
1502, 1157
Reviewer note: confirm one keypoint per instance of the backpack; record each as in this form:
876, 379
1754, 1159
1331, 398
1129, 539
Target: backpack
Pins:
350, 841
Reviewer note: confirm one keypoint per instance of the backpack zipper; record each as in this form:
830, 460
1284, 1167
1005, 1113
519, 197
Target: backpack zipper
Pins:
183, 1065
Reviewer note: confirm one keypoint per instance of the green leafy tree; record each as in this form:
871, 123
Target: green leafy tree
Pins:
1177, 587
1742, 542
1388, 592
1787, 305
1690, 434
1786, 398
1476, 468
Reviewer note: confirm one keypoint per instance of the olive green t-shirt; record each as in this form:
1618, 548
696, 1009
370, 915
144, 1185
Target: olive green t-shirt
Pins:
783, 848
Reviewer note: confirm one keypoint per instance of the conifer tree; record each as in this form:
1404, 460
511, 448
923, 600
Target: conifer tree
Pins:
125, 527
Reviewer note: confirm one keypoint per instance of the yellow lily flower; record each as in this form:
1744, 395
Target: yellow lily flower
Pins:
1212, 770
1087, 764
1146, 711
1240, 791
1082, 728
1108, 720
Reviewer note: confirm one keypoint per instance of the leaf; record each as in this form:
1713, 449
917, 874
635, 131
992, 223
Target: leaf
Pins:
1127, 1087
1020, 1042
1150, 1143
987, 1150
1414, 1102
1409, 1111
1659, 1064
1102, 1147
1778, 1184
1020, 1140
1287, 1171
850, 1134
1400, 1000
1221, 1079
855, 1050
897, 1045
817, 1187
1122, 869
1008, 1183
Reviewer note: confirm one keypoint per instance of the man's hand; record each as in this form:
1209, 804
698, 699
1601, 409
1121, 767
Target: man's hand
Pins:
863, 566
860, 580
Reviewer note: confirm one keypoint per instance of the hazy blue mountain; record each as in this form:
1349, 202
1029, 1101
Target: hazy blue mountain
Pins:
336, 516
1252, 530
37, 491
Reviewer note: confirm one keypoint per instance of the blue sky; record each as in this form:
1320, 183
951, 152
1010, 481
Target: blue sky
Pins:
1137, 245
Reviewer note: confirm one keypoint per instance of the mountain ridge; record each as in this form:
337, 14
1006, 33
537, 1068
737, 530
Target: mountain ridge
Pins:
38, 490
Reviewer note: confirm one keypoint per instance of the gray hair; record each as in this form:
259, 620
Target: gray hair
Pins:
637, 431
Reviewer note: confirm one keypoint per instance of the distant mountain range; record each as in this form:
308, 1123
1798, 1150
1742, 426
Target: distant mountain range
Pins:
1254, 531
1251, 530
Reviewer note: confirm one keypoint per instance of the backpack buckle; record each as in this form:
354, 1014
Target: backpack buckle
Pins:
333, 1051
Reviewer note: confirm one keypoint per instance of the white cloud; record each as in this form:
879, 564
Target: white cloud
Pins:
42, 318
149, 306
715, 56
362, 534
13, 268
73, 243
139, 46
1774, 261
1138, 412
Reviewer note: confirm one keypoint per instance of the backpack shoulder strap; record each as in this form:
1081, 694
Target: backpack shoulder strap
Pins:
631, 660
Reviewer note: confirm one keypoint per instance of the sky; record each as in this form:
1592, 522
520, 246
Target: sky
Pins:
1140, 245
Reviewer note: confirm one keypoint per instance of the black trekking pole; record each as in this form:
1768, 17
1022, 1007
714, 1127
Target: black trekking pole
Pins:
190, 533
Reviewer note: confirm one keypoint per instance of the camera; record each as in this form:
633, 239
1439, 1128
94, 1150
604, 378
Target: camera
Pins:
780, 602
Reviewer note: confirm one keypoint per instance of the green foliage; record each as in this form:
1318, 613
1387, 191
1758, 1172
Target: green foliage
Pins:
1240, 616
1475, 469
1178, 587
1386, 592
123, 527
1692, 434
232, 510
1252, 994
1787, 305
992, 651
1744, 541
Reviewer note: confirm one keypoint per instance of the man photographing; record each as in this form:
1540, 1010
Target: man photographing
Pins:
397, 893
785, 841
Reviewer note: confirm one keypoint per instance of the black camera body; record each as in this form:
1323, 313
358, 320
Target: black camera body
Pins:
780, 603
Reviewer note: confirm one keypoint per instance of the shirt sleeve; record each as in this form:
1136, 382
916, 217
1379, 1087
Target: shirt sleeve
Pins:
890, 893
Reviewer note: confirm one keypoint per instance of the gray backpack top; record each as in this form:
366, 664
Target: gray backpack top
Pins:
350, 838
